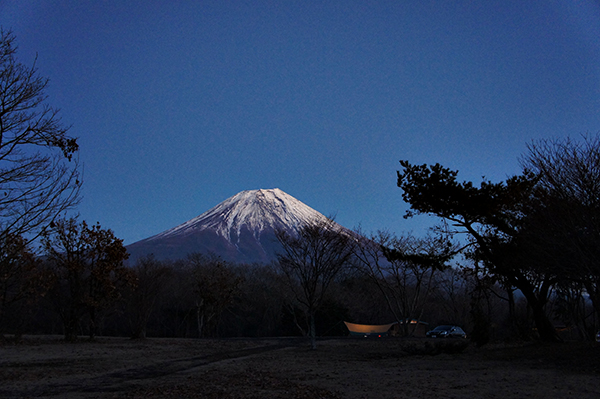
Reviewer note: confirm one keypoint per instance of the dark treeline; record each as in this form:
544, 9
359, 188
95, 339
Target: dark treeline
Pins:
203, 296
206, 297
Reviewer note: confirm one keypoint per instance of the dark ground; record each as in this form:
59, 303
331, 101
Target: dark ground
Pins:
286, 368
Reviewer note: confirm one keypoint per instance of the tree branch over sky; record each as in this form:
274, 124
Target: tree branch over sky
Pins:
39, 176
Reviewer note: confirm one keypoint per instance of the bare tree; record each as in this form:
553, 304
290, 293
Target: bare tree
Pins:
311, 260
451, 296
262, 299
566, 225
151, 276
39, 176
215, 287
403, 269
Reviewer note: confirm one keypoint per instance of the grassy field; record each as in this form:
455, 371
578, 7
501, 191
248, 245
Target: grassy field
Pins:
286, 368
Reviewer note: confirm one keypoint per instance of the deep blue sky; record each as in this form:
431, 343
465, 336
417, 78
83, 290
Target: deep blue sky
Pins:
180, 105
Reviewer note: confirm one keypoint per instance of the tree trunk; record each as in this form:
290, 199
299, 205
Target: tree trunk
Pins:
593, 289
512, 312
70, 318
92, 325
70, 326
139, 330
200, 322
537, 303
544, 326
313, 331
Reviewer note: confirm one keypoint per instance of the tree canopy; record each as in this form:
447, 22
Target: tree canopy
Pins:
88, 271
493, 215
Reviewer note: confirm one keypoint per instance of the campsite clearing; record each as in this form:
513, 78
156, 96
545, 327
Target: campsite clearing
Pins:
287, 368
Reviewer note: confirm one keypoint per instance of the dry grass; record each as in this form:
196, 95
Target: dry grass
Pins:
287, 368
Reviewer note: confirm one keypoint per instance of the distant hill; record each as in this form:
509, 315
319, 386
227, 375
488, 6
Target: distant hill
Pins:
240, 229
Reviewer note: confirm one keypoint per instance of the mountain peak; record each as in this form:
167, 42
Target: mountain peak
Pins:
255, 210
241, 228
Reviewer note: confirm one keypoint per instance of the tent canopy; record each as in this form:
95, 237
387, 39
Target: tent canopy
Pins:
362, 329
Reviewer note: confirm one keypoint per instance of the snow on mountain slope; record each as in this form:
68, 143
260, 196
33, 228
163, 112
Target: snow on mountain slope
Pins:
241, 228
255, 210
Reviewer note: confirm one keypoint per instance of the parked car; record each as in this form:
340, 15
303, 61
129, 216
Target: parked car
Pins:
447, 331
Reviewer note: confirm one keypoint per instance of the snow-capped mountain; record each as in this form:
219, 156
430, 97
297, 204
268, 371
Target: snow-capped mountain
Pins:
240, 229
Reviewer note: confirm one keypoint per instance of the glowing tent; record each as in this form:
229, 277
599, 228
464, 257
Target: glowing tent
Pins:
365, 330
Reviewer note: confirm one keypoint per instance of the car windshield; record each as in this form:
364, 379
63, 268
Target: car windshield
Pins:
442, 328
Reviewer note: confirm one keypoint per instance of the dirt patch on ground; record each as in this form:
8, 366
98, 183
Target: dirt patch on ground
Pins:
286, 368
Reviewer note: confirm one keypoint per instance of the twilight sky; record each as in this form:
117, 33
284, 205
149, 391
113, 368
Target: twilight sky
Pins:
180, 105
